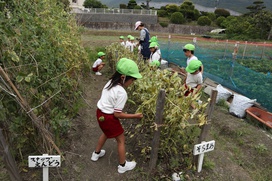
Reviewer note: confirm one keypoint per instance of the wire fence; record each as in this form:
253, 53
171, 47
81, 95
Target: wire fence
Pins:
114, 11
220, 65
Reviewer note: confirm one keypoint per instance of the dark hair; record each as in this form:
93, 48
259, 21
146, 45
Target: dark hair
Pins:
200, 68
142, 24
185, 50
116, 79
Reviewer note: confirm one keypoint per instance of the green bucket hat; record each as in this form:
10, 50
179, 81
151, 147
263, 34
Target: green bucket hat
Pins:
121, 37
153, 39
153, 45
132, 38
190, 47
155, 63
128, 67
193, 66
100, 54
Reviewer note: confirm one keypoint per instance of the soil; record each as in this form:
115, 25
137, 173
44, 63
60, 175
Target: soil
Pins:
241, 153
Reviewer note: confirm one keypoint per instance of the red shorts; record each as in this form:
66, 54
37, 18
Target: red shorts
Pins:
109, 124
95, 69
188, 91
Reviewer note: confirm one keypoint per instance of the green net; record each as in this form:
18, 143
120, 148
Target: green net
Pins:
221, 67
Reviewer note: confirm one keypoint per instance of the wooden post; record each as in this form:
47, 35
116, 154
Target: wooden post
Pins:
244, 50
263, 50
9, 161
227, 41
205, 129
156, 139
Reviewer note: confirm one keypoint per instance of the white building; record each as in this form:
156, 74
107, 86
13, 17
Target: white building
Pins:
76, 3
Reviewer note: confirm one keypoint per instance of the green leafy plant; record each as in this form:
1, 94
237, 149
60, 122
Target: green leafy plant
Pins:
181, 125
42, 56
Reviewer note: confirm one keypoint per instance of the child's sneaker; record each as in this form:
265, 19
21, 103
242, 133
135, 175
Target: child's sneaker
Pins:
128, 166
98, 73
96, 156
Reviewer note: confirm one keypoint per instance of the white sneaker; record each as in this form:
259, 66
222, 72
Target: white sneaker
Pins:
98, 73
128, 166
96, 156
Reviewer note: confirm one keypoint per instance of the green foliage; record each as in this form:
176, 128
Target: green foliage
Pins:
220, 20
172, 8
263, 66
177, 18
163, 24
180, 123
204, 21
187, 5
123, 6
41, 53
188, 10
162, 13
131, 4
221, 12
211, 16
137, 7
93, 4
238, 28
257, 7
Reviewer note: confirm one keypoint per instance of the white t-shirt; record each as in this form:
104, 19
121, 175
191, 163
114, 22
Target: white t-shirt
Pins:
123, 43
190, 59
97, 62
130, 46
193, 80
154, 56
112, 100
126, 43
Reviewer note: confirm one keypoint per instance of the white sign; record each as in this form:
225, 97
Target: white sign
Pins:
41, 161
204, 147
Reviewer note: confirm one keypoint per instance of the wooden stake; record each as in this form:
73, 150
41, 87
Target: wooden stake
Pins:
156, 139
9, 160
206, 128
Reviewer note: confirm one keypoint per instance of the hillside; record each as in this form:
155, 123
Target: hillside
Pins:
235, 5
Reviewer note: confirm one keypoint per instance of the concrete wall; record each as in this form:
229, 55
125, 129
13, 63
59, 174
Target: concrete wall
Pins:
88, 18
126, 23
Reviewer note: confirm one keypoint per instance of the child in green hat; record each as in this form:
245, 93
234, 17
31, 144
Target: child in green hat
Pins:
155, 55
110, 110
194, 77
99, 64
122, 41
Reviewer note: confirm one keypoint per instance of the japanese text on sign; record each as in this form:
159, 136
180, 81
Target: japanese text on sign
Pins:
44, 161
204, 147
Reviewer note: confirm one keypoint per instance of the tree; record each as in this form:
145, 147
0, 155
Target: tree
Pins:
254, 9
220, 20
188, 10
131, 4
204, 21
122, 6
93, 4
172, 8
177, 18
221, 12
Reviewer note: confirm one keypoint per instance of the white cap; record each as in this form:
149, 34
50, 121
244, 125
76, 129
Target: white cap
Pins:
137, 24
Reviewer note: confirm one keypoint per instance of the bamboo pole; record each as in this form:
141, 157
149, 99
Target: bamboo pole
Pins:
46, 135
